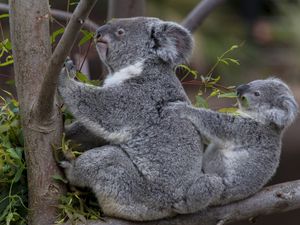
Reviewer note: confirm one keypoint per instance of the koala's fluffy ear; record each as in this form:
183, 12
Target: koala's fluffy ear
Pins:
286, 114
171, 42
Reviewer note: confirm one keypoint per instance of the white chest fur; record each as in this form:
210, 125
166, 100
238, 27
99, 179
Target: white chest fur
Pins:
124, 74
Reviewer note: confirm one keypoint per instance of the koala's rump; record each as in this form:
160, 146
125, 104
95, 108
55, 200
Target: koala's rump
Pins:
167, 153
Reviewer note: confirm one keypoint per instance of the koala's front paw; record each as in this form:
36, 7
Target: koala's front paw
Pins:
65, 164
68, 169
70, 67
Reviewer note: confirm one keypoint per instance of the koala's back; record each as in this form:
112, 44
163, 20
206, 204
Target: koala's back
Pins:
165, 148
246, 164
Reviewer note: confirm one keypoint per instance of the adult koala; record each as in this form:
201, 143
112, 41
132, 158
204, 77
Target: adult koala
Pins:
152, 166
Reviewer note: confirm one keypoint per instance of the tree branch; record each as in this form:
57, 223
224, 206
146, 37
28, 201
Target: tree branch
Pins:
44, 106
125, 8
61, 15
199, 13
273, 199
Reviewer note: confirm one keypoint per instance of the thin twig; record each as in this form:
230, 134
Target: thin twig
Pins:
61, 15
86, 54
45, 102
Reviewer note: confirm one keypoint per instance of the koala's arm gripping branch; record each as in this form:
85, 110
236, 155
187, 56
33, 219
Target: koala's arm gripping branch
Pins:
45, 101
199, 13
274, 199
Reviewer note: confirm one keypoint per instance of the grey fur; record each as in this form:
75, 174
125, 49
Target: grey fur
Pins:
152, 167
245, 150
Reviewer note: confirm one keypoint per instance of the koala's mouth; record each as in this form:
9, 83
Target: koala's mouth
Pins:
102, 47
101, 41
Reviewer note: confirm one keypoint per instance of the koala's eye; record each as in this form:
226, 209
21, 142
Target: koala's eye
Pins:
257, 93
120, 32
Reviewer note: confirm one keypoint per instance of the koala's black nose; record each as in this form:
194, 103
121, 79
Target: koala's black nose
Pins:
101, 31
98, 35
241, 89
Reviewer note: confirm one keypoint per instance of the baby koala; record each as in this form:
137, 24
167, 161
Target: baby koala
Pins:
244, 150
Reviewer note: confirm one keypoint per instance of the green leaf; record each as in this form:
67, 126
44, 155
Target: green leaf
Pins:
82, 77
4, 213
9, 61
6, 15
228, 95
235, 61
4, 128
7, 44
13, 154
215, 92
228, 110
74, 2
224, 61
18, 174
55, 34
233, 47
201, 102
9, 218
87, 36
19, 151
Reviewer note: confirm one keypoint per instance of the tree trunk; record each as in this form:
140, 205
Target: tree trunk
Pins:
29, 27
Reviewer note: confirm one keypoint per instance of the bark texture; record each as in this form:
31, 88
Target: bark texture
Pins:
45, 101
36, 73
29, 27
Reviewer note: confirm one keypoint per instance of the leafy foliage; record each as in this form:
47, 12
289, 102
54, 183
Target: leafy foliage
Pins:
208, 84
13, 182
78, 207
5, 48
75, 206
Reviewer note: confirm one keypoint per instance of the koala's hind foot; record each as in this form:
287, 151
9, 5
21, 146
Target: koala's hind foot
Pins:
204, 190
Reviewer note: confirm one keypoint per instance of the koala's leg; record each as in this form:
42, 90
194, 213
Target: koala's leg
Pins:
213, 160
199, 193
119, 187
79, 134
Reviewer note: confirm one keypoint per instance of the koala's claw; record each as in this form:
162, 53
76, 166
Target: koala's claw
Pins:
69, 65
65, 164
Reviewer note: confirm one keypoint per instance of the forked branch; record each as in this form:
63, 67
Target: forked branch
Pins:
45, 102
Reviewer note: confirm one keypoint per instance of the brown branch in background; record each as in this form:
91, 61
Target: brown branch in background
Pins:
63, 15
86, 54
274, 199
199, 13
60, 15
125, 8
45, 101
